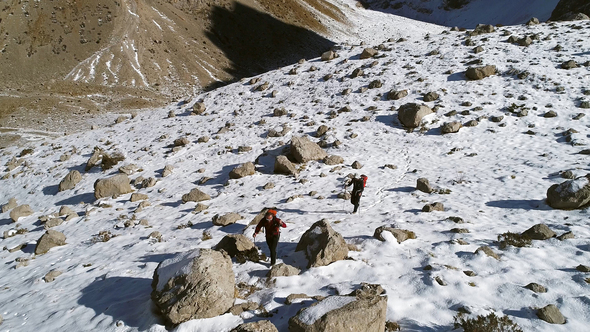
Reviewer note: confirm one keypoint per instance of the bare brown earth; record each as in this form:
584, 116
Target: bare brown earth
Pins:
64, 63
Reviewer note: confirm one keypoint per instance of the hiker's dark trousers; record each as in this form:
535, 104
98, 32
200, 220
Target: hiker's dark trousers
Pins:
355, 199
273, 242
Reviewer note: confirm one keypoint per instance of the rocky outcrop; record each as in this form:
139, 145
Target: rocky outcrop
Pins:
113, 186
70, 180
192, 285
322, 245
571, 194
240, 247
566, 10
243, 170
195, 195
410, 115
303, 150
49, 240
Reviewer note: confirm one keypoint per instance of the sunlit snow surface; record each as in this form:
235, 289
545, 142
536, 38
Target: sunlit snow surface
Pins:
498, 175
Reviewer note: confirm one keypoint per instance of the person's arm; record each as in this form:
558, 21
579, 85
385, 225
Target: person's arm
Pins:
258, 227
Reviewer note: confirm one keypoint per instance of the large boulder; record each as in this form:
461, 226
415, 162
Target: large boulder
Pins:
243, 170
49, 240
342, 313
240, 247
193, 285
226, 219
322, 245
478, 73
411, 114
20, 211
304, 150
571, 194
284, 166
259, 326
195, 195
112, 186
70, 180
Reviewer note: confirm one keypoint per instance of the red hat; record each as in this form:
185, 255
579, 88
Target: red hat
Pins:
271, 211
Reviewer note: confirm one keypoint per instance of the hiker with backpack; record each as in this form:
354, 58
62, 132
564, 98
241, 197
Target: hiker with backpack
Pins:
271, 225
358, 185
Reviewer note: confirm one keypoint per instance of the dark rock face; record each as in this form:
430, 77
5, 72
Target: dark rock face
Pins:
567, 8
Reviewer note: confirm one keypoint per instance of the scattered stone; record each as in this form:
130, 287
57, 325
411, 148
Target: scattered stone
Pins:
20, 211
120, 119
128, 169
193, 285
400, 235
533, 21
238, 309
284, 166
571, 194
451, 127
396, 95
49, 240
282, 270
410, 115
259, 326
566, 236
239, 247
171, 114
269, 185
496, 118
539, 232
433, 207
440, 281
569, 64
53, 222
10, 205
333, 160
51, 275
112, 186
70, 180
356, 165
358, 72
551, 314
279, 111
524, 41
322, 245
195, 195
203, 139
201, 207
328, 55
321, 130
550, 114
199, 108
368, 53
536, 288
423, 185
226, 219
167, 170
470, 273
431, 96
375, 84
138, 197
583, 268
304, 150
243, 170
149, 182
487, 251
181, 141
478, 73
478, 49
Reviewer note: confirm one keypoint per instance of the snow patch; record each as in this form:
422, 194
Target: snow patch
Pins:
176, 266
311, 314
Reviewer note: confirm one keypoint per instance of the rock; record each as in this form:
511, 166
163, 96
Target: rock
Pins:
193, 285
395, 95
199, 108
259, 326
70, 180
167, 170
203, 139
536, 288
400, 235
181, 141
375, 84
284, 166
431, 96
571, 194
368, 53
322, 245
496, 118
410, 115
551, 314
583, 268
358, 72
539, 232
128, 169
149, 182
10, 205
342, 313
550, 114
94, 159
566, 236
112, 186
322, 130
423, 185
65, 210
478, 73
280, 111
51, 275
304, 150
433, 207
239, 247
195, 195
226, 219
533, 21
478, 49
155, 235
451, 127
20, 211
524, 41
282, 270
570, 64
292, 297
243, 170
356, 165
269, 185
53, 222
110, 160
345, 195
49, 240
482, 28
138, 197
328, 55
333, 160
487, 251
238, 309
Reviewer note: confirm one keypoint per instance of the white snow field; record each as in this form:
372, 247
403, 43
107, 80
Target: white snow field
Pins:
498, 174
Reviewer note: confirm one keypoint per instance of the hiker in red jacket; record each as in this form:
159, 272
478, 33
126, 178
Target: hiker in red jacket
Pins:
271, 225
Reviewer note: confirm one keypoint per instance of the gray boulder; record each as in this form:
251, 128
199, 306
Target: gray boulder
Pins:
167, 170
321, 130
400, 235
70, 180
20, 211
451, 127
342, 313
226, 219
395, 95
239, 247
431, 96
571, 194
199, 108
368, 53
51, 275
259, 326
282, 270
423, 185
243, 170
284, 166
551, 314
193, 285
113, 186
49, 240
437, 206
333, 160
195, 195
410, 115
328, 55
322, 245
478, 73
539, 232
10, 205
488, 252
304, 150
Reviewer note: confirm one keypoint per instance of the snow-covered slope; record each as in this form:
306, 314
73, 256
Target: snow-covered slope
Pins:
467, 13
497, 172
